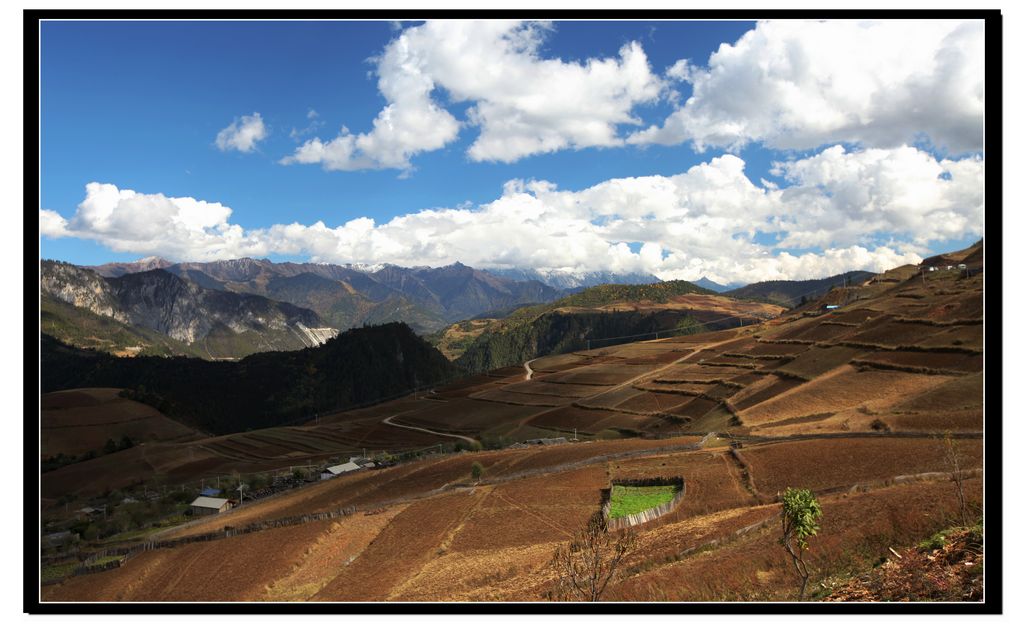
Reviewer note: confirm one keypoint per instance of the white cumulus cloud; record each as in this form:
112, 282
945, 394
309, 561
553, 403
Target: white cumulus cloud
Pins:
243, 134
522, 103
833, 211
801, 84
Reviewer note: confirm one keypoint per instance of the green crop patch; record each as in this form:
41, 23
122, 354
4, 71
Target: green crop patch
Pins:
627, 500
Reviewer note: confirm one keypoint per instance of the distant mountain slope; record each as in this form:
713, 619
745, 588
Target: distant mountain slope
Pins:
156, 307
607, 311
790, 293
563, 280
708, 284
261, 390
348, 296
120, 269
80, 326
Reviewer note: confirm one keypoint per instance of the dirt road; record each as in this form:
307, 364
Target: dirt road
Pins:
469, 440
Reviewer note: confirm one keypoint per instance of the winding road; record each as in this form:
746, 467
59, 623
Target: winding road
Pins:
388, 421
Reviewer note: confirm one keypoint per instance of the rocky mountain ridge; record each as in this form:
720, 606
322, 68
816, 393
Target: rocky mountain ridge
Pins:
183, 310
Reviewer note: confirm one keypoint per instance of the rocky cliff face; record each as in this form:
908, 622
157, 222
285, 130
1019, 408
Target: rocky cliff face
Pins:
81, 288
183, 310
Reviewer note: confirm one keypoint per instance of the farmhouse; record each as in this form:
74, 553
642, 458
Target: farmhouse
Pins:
335, 470
204, 505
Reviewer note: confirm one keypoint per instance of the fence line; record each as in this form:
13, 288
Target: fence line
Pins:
653, 513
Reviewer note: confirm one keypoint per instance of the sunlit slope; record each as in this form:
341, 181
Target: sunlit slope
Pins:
423, 531
901, 354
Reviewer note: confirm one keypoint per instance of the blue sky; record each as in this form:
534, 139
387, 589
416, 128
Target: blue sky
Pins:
721, 186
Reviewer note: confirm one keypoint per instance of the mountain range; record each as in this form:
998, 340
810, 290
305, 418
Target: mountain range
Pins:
570, 280
156, 308
230, 309
348, 296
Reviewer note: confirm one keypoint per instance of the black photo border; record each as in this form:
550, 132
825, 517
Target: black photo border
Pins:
993, 358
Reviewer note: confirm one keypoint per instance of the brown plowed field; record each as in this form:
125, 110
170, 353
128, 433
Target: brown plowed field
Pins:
810, 330
540, 458
410, 540
693, 372
539, 387
521, 399
613, 398
559, 362
891, 333
235, 569
493, 541
680, 388
329, 554
535, 510
968, 336
80, 420
651, 361
841, 389
853, 316
768, 387
653, 403
820, 360
755, 567
757, 348
937, 422
961, 306
605, 374
961, 392
820, 464
966, 362
467, 415
587, 421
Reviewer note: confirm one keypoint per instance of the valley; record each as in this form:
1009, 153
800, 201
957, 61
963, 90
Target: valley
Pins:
850, 402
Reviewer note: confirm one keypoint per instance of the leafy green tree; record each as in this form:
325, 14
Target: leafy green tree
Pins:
688, 326
477, 471
800, 514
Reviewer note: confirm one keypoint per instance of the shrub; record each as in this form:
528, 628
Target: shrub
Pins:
477, 471
587, 564
800, 514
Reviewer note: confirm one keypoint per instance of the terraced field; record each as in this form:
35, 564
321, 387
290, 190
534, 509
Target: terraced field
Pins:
846, 402
493, 540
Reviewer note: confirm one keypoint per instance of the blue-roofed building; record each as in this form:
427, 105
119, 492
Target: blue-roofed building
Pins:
209, 491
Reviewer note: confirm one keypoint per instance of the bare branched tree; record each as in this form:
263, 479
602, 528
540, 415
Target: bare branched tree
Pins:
953, 455
587, 564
